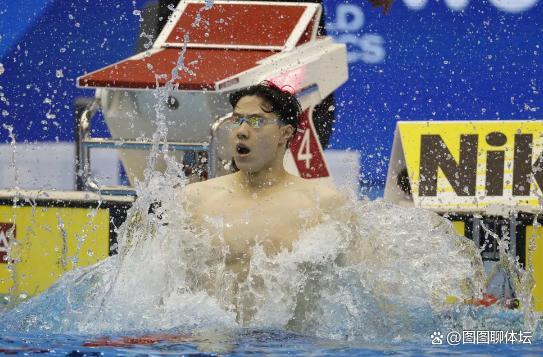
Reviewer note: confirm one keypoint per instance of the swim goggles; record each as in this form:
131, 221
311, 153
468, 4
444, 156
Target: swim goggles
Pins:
254, 121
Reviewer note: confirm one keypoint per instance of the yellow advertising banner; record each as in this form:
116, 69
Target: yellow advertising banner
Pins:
486, 168
467, 166
534, 257
39, 244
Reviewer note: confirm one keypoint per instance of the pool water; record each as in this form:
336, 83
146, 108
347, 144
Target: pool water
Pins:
243, 342
314, 300
149, 299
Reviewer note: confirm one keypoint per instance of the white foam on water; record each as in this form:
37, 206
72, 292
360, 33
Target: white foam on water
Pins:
371, 272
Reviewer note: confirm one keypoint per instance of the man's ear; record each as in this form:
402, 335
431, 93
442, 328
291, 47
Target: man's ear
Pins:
287, 132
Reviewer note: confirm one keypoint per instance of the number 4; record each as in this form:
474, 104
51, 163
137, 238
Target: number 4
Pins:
304, 152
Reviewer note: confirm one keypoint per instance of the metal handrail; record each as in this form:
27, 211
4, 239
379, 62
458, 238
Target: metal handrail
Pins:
85, 110
84, 142
141, 145
213, 146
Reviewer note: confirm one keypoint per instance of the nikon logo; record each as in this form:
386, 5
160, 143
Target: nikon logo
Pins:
462, 175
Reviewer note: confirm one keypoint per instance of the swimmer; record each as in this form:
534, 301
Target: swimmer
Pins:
261, 203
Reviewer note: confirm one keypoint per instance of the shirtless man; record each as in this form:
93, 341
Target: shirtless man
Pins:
261, 203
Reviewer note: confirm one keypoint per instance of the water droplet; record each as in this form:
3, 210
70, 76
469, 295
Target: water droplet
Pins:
90, 253
59, 73
1, 69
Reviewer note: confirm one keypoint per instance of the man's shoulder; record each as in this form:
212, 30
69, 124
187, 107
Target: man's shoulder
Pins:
322, 190
324, 185
206, 187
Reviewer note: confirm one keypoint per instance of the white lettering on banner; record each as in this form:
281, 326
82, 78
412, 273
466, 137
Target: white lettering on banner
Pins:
513, 6
370, 48
349, 18
457, 5
362, 47
415, 4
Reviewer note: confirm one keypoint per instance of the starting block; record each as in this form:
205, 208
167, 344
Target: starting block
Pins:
203, 54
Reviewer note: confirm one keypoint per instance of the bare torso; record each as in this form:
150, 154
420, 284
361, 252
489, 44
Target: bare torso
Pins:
272, 216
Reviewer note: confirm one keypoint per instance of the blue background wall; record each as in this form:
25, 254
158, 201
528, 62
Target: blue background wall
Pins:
424, 61
433, 63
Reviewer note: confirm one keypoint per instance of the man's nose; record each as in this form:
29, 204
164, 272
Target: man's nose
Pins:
242, 132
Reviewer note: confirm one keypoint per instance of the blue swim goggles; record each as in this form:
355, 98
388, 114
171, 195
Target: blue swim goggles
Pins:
254, 121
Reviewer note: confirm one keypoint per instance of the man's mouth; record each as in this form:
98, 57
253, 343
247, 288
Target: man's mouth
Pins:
242, 149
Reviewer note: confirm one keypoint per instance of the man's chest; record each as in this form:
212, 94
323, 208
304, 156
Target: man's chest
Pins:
273, 222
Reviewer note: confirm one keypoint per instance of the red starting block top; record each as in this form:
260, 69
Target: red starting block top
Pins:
206, 66
215, 43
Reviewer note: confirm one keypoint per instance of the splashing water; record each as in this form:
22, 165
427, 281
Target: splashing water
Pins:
372, 272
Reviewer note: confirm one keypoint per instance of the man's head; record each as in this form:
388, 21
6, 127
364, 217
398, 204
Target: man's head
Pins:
277, 101
263, 122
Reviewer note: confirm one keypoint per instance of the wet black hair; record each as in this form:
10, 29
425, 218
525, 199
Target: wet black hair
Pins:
282, 103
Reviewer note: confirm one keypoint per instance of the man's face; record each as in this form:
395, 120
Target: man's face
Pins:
256, 149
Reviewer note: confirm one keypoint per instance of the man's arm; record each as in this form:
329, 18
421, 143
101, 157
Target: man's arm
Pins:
189, 196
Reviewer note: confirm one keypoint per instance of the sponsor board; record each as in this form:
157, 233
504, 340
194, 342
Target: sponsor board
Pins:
534, 257
7, 234
494, 167
490, 173
40, 242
